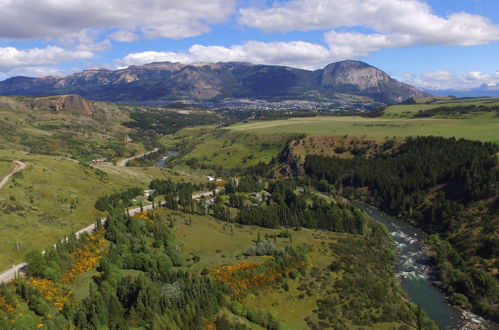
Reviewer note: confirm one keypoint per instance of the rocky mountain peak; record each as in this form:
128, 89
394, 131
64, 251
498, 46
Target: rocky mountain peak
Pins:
206, 81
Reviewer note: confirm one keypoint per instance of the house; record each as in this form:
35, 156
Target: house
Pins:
148, 192
99, 160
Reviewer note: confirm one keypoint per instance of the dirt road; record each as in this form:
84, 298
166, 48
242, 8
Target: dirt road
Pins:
123, 162
11, 273
19, 167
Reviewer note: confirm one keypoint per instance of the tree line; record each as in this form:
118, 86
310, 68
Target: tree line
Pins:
433, 182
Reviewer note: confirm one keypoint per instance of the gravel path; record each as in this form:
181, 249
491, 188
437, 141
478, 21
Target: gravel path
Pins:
19, 167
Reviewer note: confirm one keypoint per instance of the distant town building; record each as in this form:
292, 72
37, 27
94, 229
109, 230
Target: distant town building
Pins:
99, 160
148, 192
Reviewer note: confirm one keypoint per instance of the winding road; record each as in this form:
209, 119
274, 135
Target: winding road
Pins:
123, 162
14, 271
19, 167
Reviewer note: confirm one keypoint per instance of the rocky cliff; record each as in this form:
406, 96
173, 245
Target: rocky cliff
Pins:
209, 81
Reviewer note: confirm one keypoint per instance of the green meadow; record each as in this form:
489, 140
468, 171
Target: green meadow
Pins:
5, 167
52, 197
208, 147
483, 127
409, 110
217, 243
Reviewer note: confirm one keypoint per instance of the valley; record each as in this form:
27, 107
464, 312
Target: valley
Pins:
279, 246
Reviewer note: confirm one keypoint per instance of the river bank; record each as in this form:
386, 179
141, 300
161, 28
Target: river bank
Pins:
417, 275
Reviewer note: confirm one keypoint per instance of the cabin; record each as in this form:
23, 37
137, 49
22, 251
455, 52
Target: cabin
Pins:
148, 192
99, 160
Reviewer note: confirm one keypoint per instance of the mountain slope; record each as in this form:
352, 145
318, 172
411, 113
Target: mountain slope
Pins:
211, 81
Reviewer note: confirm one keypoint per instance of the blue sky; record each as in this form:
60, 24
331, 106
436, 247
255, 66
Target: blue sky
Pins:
433, 44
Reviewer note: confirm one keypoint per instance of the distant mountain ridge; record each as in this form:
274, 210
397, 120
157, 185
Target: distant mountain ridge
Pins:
483, 90
214, 81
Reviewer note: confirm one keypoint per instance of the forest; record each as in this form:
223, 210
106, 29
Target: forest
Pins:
140, 278
434, 183
456, 110
167, 121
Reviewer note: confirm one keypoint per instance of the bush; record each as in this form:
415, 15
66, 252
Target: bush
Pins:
459, 300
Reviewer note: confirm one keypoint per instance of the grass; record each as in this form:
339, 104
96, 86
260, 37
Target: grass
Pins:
409, 110
77, 136
52, 197
205, 237
484, 127
5, 167
210, 147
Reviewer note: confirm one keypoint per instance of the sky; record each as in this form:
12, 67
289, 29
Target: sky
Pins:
432, 44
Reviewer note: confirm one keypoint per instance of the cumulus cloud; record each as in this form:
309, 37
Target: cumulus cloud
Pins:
11, 57
476, 76
147, 18
440, 75
443, 79
397, 23
293, 53
85, 40
124, 36
37, 71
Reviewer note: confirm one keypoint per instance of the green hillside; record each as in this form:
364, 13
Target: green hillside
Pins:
483, 127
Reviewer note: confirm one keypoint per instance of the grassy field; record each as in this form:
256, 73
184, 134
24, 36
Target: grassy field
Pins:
409, 110
74, 135
5, 167
484, 127
52, 197
207, 238
210, 147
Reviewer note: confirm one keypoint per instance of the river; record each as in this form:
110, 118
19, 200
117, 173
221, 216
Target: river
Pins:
412, 270
163, 161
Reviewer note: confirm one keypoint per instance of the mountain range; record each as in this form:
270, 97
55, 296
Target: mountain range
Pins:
215, 81
490, 90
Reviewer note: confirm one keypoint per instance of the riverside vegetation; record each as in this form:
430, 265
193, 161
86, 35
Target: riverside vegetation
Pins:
143, 278
292, 256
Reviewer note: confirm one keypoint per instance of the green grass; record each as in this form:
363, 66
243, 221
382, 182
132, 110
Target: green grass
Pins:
409, 110
5, 167
52, 197
212, 147
77, 136
484, 127
206, 238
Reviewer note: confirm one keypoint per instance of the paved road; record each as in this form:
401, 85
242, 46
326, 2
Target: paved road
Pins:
19, 167
11, 273
123, 162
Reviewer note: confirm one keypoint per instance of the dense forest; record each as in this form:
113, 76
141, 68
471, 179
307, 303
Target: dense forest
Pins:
163, 122
456, 110
286, 208
435, 183
283, 207
140, 282
140, 278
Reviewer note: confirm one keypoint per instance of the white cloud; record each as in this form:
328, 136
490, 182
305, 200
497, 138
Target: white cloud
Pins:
476, 76
443, 79
37, 71
350, 44
85, 40
11, 57
294, 53
124, 36
397, 23
440, 75
148, 18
